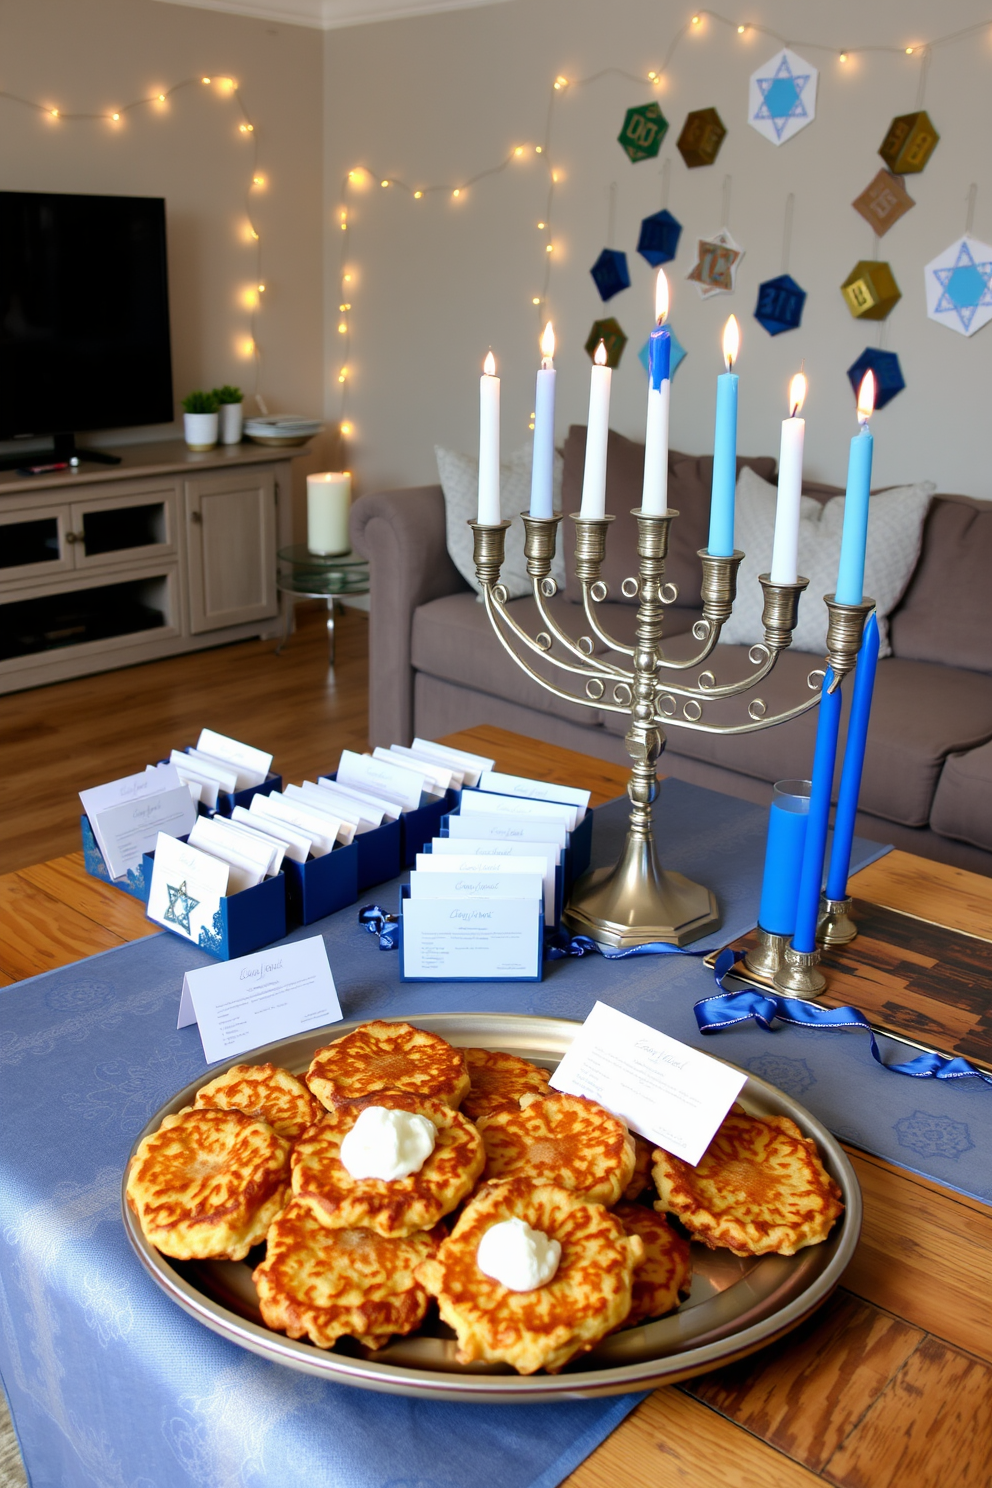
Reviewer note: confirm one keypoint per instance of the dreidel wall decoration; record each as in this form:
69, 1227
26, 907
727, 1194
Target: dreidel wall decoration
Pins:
884, 366
910, 142
702, 135
780, 304
659, 237
883, 201
871, 291
613, 338
611, 273
644, 128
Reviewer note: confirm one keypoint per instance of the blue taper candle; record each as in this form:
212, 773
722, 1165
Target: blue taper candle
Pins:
721, 535
788, 816
854, 759
854, 537
824, 757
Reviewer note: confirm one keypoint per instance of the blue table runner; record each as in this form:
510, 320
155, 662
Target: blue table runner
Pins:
110, 1383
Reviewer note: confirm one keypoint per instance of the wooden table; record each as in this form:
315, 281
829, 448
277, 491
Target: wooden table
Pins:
889, 1384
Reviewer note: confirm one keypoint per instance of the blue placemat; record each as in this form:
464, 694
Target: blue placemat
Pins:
111, 1383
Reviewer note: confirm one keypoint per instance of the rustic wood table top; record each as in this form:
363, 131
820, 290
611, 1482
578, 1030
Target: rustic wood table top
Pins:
890, 1383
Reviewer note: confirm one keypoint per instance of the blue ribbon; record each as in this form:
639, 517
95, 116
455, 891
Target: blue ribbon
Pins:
377, 922
730, 1008
557, 945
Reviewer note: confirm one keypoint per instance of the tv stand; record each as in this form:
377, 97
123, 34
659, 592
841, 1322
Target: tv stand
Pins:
64, 448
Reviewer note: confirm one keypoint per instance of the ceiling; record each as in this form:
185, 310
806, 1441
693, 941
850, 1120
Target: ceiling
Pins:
328, 14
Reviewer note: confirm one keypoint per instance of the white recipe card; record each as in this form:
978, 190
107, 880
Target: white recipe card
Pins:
536, 790
393, 781
187, 887
127, 815
239, 1005
671, 1094
472, 941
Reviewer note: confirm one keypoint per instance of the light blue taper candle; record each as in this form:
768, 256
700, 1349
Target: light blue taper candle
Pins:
721, 537
854, 538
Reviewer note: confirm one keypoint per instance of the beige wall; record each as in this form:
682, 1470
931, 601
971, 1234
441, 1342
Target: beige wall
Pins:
92, 55
436, 98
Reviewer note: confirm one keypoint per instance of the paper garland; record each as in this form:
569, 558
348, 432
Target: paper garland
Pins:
782, 96
718, 258
958, 289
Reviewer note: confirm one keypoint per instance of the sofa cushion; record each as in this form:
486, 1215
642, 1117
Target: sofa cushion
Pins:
689, 480
962, 806
946, 616
920, 715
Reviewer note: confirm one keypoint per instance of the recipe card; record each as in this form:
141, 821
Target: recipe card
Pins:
670, 1094
240, 1005
186, 889
478, 940
127, 815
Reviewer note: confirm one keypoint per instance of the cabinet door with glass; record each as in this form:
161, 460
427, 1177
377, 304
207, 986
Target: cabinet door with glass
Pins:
231, 539
33, 543
131, 524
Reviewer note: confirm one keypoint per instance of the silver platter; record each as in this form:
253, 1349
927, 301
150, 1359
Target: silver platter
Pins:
736, 1305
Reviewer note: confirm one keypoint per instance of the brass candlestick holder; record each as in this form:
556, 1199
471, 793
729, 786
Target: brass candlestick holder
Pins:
637, 901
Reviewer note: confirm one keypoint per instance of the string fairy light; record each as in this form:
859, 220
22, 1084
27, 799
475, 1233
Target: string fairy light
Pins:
561, 87
227, 90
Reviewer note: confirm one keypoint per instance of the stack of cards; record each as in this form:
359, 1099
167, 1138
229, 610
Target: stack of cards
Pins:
222, 773
221, 889
124, 818
513, 808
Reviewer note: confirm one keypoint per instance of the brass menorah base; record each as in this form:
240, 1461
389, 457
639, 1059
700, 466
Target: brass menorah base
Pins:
637, 901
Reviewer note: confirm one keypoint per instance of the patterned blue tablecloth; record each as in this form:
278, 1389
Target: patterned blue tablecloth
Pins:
111, 1384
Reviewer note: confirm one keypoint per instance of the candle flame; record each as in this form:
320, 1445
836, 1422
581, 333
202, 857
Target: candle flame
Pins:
600, 357
548, 341
797, 393
661, 297
489, 365
731, 341
866, 398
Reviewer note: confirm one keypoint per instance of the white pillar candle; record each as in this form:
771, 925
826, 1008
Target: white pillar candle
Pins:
654, 497
542, 475
785, 549
328, 505
489, 512
597, 434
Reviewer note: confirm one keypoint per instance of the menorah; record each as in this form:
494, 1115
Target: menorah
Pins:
637, 901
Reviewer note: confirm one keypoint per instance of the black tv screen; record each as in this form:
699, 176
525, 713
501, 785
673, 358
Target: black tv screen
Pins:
84, 313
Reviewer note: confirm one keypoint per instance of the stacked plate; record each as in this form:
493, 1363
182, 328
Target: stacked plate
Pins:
282, 429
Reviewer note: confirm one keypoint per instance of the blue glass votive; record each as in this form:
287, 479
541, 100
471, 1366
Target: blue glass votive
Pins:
787, 819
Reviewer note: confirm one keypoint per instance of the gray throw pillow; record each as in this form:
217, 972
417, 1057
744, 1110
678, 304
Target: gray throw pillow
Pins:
459, 477
895, 533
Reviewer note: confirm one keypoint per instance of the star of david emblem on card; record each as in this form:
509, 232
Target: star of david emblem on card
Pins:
717, 260
959, 286
782, 97
181, 906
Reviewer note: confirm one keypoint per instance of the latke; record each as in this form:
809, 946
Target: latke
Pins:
664, 1274
388, 1056
760, 1187
392, 1207
562, 1139
208, 1183
643, 1156
263, 1090
500, 1080
587, 1297
323, 1284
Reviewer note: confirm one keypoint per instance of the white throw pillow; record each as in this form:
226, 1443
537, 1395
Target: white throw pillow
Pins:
459, 476
895, 532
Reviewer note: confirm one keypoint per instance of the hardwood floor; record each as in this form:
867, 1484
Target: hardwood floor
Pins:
58, 740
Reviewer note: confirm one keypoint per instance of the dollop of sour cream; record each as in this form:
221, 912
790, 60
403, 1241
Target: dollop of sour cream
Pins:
520, 1257
387, 1144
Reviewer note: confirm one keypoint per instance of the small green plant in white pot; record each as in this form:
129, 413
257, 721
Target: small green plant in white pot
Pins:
231, 400
200, 420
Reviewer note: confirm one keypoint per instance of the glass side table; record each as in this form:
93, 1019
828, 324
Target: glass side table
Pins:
306, 575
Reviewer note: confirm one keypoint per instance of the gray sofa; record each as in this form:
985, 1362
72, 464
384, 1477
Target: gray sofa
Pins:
435, 666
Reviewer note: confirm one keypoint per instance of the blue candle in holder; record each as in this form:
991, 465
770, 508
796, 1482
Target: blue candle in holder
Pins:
854, 760
787, 820
824, 758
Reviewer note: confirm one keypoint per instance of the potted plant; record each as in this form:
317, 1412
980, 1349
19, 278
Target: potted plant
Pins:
200, 420
230, 400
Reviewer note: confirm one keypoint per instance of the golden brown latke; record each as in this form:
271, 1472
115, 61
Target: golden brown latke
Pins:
500, 1080
759, 1187
263, 1090
563, 1139
323, 1284
208, 1184
666, 1271
393, 1207
588, 1295
388, 1056
643, 1155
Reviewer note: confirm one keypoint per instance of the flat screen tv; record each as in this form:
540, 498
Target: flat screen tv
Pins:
84, 316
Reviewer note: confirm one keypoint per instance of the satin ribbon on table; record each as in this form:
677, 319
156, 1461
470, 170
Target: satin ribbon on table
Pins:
730, 1008
558, 945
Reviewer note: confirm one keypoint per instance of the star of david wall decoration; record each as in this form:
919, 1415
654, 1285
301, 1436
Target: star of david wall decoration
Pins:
782, 97
958, 286
717, 261
883, 201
